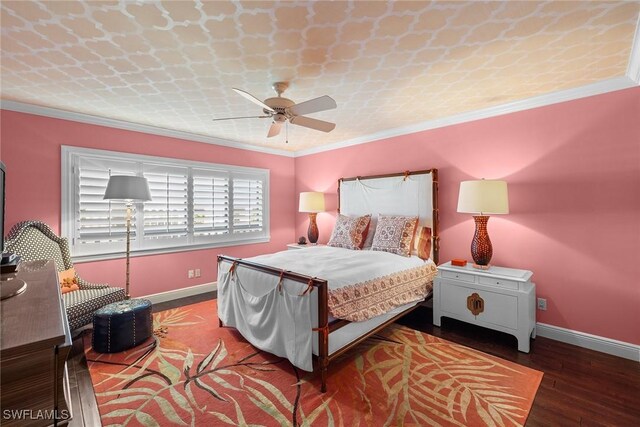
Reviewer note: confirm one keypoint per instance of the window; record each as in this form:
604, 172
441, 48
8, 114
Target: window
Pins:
194, 204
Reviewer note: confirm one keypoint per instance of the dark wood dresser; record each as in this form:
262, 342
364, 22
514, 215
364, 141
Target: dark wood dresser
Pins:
35, 342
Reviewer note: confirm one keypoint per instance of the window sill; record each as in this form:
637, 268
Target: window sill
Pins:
147, 252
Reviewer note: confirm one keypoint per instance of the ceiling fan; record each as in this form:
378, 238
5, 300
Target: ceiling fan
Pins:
282, 110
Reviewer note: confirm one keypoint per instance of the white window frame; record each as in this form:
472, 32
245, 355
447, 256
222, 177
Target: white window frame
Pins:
69, 202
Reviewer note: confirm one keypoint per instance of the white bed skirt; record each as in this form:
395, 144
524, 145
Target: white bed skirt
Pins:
272, 319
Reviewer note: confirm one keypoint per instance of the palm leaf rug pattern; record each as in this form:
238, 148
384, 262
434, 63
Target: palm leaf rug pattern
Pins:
195, 373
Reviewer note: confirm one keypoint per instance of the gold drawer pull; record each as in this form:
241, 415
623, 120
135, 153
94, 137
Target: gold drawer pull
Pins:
475, 304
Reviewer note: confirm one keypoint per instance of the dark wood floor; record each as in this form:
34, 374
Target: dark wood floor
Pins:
579, 387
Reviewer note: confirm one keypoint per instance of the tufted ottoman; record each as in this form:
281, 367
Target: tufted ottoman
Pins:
121, 325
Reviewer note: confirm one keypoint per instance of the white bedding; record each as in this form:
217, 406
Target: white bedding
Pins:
281, 322
340, 267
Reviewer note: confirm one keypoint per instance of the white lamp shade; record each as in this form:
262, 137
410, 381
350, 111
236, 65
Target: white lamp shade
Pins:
130, 188
311, 201
483, 197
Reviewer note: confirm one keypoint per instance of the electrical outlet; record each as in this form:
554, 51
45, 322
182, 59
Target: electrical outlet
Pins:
197, 272
542, 304
190, 274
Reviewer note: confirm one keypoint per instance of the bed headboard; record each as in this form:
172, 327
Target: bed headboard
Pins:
405, 193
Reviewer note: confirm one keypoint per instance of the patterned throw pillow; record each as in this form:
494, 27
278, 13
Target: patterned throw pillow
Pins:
395, 234
68, 281
350, 232
423, 242
67, 276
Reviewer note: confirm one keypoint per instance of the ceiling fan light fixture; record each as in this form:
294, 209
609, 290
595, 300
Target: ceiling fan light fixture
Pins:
283, 110
274, 130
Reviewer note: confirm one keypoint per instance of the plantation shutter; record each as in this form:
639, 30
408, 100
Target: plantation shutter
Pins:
210, 203
194, 205
248, 205
166, 216
99, 220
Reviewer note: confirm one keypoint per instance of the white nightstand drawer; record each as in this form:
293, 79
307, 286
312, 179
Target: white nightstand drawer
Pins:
499, 309
458, 276
508, 284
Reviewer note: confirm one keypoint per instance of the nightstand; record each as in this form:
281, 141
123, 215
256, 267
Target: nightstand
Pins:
499, 298
292, 246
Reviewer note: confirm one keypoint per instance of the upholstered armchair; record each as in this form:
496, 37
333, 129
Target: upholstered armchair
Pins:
34, 240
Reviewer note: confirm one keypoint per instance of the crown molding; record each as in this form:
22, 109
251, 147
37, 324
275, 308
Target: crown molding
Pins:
597, 88
633, 70
55, 113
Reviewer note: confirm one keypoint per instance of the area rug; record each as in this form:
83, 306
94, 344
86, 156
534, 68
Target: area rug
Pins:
195, 373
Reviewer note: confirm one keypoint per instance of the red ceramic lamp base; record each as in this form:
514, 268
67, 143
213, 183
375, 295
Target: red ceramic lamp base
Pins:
481, 249
313, 233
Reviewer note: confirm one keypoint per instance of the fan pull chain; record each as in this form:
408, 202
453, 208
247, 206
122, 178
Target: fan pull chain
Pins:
286, 130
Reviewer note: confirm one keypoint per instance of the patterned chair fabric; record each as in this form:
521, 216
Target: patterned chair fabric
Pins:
34, 240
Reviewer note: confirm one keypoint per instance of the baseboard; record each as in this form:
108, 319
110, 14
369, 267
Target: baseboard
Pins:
181, 293
592, 342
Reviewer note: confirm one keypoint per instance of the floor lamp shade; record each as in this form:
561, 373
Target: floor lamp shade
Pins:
483, 197
312, 202
130, 189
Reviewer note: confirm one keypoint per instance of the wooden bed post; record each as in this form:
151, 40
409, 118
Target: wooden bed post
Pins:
323, 332
219, 258
435, 229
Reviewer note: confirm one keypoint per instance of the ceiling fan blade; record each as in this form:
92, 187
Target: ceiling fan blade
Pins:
312, 106
316, 124
253, 99
244, 117
274, 129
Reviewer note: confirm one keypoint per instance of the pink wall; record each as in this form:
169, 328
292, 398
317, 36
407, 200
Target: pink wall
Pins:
31, 153
574, 186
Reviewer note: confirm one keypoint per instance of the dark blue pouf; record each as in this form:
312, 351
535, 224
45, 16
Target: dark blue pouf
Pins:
121, 325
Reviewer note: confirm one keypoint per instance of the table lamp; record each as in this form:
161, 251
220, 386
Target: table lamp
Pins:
129, 189
482, 197
312, 202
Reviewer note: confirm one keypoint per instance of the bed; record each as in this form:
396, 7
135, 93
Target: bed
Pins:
317, 301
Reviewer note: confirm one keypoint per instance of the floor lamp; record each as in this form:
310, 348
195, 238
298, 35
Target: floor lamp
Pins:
129, 189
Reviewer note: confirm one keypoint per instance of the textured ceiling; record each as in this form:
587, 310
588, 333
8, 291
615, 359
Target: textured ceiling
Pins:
387, 64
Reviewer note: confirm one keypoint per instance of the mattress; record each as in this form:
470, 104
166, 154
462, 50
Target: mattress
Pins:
339, 267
